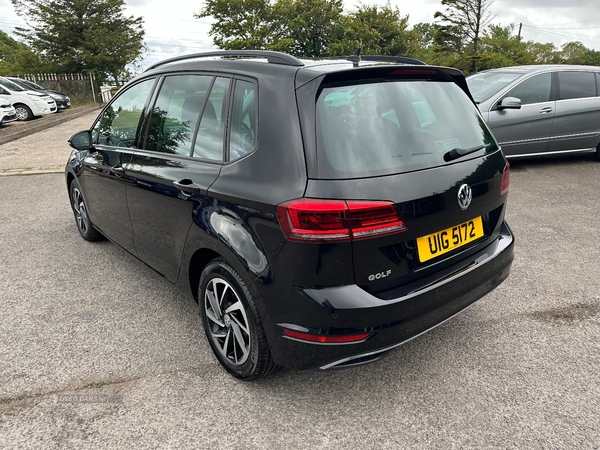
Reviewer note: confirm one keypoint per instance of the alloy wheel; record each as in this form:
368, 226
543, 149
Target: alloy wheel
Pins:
228, 324
80, 211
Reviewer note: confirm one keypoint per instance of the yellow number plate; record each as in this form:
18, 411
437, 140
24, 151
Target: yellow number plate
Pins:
444, 241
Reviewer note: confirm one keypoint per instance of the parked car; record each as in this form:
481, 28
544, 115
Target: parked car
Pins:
62, 101
541, 110
322, 213
28, 104
7, 112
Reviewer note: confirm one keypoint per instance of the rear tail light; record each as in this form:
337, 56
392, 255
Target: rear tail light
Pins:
326, 339
314, 220
505, 180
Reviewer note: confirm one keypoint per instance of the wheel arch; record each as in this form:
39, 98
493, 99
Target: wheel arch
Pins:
70, 178
15, 105
198, 262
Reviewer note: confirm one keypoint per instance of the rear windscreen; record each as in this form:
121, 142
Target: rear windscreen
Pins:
395, 126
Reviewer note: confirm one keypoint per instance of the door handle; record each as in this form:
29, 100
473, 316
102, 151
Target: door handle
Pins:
187, 185
545, 110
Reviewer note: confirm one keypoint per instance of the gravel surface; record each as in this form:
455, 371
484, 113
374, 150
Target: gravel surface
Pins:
98, 351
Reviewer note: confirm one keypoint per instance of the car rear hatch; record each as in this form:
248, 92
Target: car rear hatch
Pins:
402, 166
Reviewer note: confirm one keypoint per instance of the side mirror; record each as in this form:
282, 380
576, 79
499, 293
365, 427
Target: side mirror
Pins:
510, 103
81, 140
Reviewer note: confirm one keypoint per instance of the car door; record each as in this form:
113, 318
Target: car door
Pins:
526, 130
181, 158
105, 170
577, 119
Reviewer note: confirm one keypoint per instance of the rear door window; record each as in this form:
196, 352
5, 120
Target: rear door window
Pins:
390, 127
209, 142
176, 112
576, 85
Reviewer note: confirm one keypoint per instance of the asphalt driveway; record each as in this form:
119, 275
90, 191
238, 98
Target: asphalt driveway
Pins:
98, 351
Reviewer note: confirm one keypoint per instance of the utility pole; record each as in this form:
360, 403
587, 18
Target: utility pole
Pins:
520, 26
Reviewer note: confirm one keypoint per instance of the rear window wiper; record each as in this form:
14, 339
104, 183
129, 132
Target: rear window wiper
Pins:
458, 152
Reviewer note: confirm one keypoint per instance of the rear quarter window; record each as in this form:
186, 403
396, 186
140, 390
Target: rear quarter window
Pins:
391, 127
576, 85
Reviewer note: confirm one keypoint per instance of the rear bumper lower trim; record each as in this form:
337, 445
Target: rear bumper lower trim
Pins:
380, 353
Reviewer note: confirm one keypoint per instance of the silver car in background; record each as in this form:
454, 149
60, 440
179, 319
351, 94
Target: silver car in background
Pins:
545, 110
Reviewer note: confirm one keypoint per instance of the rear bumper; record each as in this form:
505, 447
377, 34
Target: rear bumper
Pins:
350, 309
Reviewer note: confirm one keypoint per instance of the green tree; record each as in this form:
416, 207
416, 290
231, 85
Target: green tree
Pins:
82, 36
501, 47
426, 34
307, 28
543, 53
301, 27
461, 26
240, 24
16, 57
574, 53
378, 30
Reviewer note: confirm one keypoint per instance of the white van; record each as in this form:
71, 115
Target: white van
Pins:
28, 104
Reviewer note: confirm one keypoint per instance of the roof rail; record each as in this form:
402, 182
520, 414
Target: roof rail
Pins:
271, 57
356, 58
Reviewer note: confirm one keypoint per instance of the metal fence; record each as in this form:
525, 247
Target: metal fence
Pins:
82, 88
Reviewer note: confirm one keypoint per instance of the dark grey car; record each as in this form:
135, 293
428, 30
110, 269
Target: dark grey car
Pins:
543, 110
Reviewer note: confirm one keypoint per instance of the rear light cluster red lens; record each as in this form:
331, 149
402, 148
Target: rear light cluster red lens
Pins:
315, 220
505, 180
325, 339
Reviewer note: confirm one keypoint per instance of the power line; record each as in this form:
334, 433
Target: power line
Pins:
560, 35
569, 28
578, 22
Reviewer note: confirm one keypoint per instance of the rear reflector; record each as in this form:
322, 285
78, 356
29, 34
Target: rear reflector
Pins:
505, 180
315, 220
323, 339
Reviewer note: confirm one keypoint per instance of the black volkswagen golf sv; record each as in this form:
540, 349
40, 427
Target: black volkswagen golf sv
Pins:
320, 212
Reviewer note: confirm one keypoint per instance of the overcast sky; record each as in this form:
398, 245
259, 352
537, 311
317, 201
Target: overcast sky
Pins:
171, 29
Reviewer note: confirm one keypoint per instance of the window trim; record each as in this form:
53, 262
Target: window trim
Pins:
154, 97
143, 117
227, 155
226, 104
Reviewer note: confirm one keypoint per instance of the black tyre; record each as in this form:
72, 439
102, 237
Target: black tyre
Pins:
84, 224
23, 112
231, 322
598, 152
